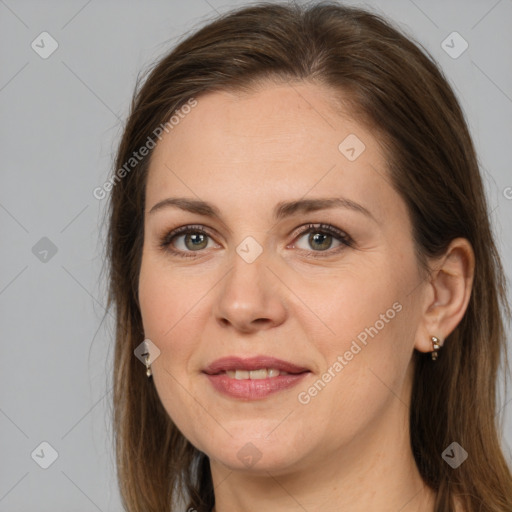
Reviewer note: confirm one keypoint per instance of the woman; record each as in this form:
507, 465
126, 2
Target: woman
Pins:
301, 257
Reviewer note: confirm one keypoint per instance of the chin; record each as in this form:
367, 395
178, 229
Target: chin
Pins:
256, 454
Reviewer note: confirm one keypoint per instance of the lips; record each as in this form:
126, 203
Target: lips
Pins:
252, 364
253, 378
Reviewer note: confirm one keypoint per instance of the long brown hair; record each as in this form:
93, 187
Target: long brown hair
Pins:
398, 90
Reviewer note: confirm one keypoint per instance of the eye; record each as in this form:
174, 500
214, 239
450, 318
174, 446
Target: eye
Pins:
189, 241
186, 239
322, 238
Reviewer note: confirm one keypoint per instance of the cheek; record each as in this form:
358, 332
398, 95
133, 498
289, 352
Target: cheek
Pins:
370, 343
155, 306
165, 310
365, 367
165, 298
362, 307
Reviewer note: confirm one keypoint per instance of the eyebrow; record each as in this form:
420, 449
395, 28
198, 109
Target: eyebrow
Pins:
282, 210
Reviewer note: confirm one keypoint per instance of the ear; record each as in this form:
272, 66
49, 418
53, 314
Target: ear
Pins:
447, 294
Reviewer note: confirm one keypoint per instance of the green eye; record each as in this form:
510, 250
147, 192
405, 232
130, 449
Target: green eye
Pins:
322, 237
315, 239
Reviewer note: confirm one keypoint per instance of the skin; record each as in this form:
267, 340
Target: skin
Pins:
348, 448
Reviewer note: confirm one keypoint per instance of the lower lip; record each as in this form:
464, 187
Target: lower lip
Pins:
253, 389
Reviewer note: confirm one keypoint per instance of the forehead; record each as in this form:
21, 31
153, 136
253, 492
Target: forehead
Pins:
280, 139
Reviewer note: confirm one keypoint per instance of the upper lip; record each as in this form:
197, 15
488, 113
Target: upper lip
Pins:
251, 363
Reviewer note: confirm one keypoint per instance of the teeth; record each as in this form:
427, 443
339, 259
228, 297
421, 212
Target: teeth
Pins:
262, 373
258, 374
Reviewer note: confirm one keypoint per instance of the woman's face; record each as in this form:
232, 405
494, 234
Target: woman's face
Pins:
269, 275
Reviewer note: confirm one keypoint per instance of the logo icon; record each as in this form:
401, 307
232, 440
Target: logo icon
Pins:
454, 455
249, 455
147, 347
454, 45
249, 249
351, 147
44, 455
44, 250
44, 45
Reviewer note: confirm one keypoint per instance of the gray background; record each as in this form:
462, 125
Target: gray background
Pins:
61, 118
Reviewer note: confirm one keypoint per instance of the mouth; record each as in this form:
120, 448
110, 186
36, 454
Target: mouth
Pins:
258, 367
253, 378
261, 373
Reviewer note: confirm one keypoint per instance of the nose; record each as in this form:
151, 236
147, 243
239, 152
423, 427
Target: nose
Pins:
250, 297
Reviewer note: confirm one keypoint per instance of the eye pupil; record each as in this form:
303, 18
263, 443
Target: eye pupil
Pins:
197, 239
320, 238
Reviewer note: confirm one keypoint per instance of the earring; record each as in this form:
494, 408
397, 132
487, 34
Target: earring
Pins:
436, 345
147, 360
148, 366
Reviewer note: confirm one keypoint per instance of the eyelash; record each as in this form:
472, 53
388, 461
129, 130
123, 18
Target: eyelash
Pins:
341, 236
